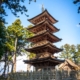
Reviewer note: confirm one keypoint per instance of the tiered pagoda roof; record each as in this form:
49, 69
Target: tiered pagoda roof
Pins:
43, 47
45, 61
42, 17
45, 25
42, 35
42, 41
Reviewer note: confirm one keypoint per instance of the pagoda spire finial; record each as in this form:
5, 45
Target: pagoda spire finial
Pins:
42, 7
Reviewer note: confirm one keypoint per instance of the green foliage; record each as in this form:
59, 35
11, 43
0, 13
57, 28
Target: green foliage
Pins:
2, 38
29, 34
16, 39
15, 6
66, 52
77, 54
77, 2
9, 46
16, 30
31, 55
71, 52
30, 26
9, 58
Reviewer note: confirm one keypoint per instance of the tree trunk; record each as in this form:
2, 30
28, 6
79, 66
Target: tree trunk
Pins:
14, 56
14, 62
5, 64
12, 67
28, 65
8, 66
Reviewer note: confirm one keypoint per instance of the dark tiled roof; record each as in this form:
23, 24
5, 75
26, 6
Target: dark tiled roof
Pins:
43, 23
41, 14
43, 33
40, 47
50, 59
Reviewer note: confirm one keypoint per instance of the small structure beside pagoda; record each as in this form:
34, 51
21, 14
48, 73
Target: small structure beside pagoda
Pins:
68, 65
43, 41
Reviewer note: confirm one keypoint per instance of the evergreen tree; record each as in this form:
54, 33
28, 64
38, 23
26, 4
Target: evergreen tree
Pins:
14, 6
71, 52
2, 38
66, 52
17, 34
77, 2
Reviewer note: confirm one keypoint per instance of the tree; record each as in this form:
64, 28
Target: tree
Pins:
66, 52
10, 47
14, 6
4, 46
17, 34
71, 52
77, 2
2, 38
76, 55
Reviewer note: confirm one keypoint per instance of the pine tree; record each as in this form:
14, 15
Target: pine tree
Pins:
17, 34
2, 38
71, 52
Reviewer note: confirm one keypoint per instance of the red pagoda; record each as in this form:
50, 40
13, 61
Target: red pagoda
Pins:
43, 42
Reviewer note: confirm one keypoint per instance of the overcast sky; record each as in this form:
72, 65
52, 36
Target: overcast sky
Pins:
62, 10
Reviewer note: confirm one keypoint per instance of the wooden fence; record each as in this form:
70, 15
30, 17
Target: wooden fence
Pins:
45, 75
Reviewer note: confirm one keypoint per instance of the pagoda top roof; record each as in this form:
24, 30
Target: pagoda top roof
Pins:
53, 49
53, 28
45, 12
41, 60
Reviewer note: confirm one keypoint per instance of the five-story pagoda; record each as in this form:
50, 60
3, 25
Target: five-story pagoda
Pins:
43, 42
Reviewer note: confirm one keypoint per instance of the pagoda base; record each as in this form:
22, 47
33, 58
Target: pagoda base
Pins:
50, 68
44, 63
